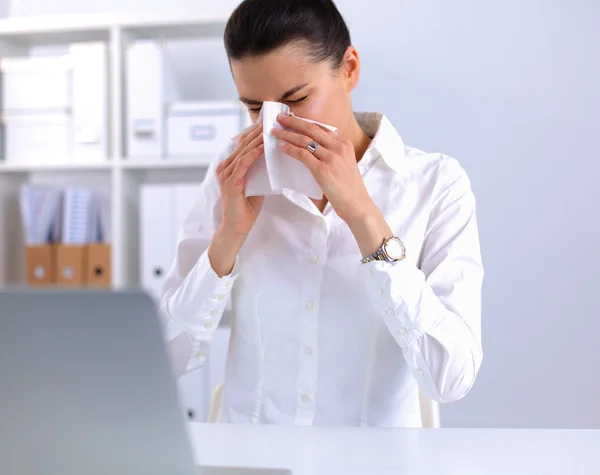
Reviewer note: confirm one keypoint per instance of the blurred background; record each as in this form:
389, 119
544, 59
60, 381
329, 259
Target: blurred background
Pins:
511, 89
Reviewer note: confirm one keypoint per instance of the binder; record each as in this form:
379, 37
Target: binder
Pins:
98, 258
144, 92
67, 236
157, 239
194, 394
98, 265
90, 100
41, 264
40, 215
70, 265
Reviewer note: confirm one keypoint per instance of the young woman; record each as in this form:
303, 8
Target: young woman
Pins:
345, 307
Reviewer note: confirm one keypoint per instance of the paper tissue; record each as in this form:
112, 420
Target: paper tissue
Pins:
279, 171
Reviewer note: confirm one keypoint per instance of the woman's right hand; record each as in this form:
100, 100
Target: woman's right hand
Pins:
239, 212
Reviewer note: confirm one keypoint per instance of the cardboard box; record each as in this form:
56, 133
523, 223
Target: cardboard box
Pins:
41, 265
98, 265
71, 265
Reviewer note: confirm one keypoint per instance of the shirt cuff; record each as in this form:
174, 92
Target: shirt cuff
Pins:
198, 304
399, 293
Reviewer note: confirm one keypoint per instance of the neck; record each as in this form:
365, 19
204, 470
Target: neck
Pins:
357, 136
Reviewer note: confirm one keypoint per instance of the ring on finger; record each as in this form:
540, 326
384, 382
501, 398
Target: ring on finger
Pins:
312, 146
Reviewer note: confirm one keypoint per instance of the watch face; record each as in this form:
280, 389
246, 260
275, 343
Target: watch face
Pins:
395, 249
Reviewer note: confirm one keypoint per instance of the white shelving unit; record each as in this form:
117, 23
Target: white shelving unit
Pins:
21, 36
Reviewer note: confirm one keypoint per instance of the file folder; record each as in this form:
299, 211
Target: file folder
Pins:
67, 236
98, 258
90, 101
157, 241
144, 92
41, 265
40, 213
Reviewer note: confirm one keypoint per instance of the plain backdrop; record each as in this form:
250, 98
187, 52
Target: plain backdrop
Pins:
511, 89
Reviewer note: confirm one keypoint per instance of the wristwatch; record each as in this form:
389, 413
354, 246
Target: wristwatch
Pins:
392, 250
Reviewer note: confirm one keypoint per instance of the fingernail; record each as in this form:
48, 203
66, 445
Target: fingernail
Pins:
281, 115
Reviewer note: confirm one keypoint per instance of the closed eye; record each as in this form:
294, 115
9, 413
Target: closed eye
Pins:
296, 101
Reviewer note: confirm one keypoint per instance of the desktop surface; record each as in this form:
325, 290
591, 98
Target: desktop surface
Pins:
354, 451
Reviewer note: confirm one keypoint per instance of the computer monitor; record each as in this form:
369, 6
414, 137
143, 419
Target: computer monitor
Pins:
86, 387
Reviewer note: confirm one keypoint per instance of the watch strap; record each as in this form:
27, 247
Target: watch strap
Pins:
378, 255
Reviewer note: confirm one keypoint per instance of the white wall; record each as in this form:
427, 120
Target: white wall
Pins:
511, 89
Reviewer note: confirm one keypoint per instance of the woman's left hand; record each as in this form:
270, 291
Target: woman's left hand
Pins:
333, 165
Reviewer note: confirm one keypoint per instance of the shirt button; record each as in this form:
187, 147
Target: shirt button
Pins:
390, 312
306, 398
220, 297
402, 331
208, 325
213, 313
308, 351
379, 291
201, 354
420, 372
370, 273
229, 283
314, 259
309, 305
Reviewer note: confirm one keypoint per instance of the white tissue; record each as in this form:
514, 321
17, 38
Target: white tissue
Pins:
279, 171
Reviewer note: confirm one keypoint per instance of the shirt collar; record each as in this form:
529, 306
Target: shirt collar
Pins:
386, 142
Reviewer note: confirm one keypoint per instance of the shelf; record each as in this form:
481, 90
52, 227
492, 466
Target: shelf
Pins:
166, 163
24, 167
185, 27
55, 29
59, 29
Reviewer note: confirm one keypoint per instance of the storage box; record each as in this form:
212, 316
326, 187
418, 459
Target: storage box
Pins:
34, 84
41, 265
35, 138
71, 265
98, 265
202, 128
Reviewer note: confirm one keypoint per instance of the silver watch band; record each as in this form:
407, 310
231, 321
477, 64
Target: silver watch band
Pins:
378, 255
382, 254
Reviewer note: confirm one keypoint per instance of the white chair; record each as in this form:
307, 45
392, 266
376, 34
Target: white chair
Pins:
430, 411
215, 404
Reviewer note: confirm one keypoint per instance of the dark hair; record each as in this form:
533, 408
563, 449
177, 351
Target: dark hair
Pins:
258, 27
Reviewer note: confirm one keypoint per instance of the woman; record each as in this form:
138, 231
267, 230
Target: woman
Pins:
343, 308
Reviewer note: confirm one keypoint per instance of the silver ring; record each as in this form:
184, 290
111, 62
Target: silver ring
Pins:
312, 146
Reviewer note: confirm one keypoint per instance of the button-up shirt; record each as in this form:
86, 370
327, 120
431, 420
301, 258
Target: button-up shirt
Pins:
319, 338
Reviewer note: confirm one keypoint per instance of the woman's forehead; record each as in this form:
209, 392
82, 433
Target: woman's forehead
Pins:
272, 75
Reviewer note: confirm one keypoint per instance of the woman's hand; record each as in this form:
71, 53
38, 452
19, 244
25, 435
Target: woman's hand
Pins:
333, 165
239, 213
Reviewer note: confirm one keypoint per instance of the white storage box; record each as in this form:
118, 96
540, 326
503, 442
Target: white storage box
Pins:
37, 138
202, 128
30, 84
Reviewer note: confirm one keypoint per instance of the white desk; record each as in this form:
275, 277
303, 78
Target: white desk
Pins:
337, 451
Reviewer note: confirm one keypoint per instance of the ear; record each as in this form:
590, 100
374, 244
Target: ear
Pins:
351, 67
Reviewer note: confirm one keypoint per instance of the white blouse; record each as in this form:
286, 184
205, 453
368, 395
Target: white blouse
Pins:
318, 337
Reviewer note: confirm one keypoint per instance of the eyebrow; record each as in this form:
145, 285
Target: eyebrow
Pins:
285, 95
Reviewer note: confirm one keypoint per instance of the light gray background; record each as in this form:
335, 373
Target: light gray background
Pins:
511, 89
